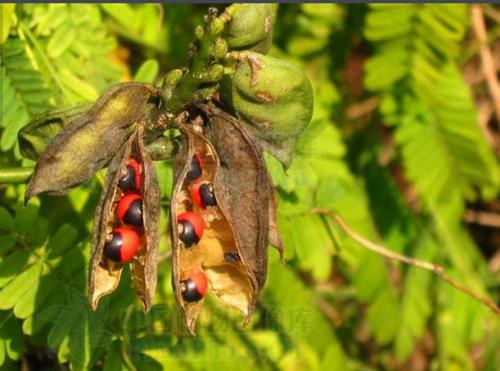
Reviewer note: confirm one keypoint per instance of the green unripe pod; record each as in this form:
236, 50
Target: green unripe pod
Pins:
161, 148
199, 32
217, 26
172, 77
220, 48
251, 26
275, 98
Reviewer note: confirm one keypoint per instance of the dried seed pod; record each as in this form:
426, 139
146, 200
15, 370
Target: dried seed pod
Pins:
232, 252
34, 137
90, 141
104, 274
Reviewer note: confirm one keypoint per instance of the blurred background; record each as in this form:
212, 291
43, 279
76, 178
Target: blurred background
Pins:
403, 144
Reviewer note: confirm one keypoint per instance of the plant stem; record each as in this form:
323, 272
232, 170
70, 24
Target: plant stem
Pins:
487, 60
192, 85
126, 341
15, 175
381, 250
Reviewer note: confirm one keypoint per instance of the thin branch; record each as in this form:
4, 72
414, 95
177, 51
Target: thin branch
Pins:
487, 61
381, 250
483, 218
362, 108
126, 342
489, 11
16, 175
329, 311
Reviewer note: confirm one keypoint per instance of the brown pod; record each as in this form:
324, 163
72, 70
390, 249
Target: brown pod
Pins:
232, 251
90, 140
105, 267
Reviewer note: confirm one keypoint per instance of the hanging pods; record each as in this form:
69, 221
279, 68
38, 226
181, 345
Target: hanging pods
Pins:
126, 225
233, 196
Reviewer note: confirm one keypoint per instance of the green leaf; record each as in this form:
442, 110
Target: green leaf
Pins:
123, 13
35, 297
148, 71
416, 303
25, 218
2, 352
12, 265
78, 86
19, 286
6, 220
61, 241
113, 358
24, 92
6, 243
11, 336
334, 359
7, 11
60, 40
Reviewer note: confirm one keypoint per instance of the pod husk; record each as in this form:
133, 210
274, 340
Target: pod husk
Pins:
34, 137
245, 208
88, 143
104, 274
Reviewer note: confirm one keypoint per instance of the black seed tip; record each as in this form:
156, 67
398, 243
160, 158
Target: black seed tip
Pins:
133, 216
112, 248
127, 182
194, 171
187, 234
190, 292
207, 195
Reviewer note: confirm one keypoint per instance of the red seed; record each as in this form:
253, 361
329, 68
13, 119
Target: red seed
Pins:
129, 210
192, 228
123, 246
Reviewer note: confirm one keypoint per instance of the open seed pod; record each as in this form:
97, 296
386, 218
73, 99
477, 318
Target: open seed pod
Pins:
88, 142
223, 238
126, 225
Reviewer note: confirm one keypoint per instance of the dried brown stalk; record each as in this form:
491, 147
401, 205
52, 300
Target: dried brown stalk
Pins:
381, 250
487, 61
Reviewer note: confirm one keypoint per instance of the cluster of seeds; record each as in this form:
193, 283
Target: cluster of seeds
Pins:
190, 226
123, 243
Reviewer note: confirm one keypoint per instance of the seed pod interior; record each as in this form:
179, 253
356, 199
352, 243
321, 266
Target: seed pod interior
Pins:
229, 280
105, 270
232, 251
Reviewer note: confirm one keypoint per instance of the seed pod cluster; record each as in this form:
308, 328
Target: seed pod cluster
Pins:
125, 225
222, 214
223, 205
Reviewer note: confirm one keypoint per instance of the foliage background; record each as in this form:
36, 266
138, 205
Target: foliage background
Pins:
403, 145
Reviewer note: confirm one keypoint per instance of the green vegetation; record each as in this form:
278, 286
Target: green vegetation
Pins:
395, 147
